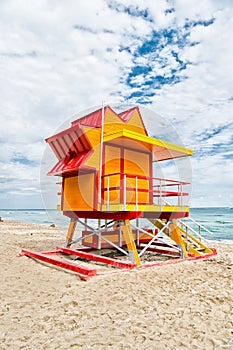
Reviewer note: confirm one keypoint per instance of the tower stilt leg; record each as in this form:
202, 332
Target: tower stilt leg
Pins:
70, 233
176, 236
128, 235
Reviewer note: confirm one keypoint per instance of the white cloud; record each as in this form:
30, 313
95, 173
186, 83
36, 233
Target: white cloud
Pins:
57, 59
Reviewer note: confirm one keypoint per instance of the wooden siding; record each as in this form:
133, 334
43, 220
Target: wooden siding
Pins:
137, 163
94, 138
79, 193
112, 164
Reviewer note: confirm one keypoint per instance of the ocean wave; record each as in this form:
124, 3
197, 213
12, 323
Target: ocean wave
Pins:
221, 240
224, 222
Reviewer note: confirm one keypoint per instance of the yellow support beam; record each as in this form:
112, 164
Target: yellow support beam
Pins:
160, 224
128, 235
176, 236
70, 233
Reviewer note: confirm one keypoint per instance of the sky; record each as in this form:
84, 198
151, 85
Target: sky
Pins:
59, 58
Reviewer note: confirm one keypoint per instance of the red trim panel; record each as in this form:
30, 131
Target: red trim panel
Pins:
98, 258
157, 193
59, 262
64, 166
124, 215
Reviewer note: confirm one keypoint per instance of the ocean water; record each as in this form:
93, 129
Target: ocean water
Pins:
35, 216
217, 220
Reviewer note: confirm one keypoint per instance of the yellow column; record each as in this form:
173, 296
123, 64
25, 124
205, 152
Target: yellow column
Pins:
128, 235
176, 236
70, 233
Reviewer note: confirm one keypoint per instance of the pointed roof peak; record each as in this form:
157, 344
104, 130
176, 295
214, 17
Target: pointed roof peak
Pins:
127, 115
94, 119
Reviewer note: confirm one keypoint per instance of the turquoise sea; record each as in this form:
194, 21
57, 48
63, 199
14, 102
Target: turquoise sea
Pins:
218, 220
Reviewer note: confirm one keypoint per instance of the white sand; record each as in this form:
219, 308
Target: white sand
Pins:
182, 306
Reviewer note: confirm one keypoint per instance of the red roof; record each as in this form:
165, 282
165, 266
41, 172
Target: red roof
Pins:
127, 115
66, 166
72, 145
95, 119
69, 141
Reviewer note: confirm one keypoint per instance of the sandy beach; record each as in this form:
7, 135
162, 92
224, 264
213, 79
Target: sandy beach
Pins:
182, 306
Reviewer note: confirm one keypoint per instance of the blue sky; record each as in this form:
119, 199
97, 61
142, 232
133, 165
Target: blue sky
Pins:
58, 58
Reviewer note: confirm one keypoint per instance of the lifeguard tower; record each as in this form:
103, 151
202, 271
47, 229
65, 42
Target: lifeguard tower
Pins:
105, 162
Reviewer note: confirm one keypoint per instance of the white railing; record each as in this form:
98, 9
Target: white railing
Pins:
188, 228
200, 226
163, 189
157, 188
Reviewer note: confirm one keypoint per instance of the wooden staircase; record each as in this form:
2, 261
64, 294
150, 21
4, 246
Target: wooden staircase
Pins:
189, 242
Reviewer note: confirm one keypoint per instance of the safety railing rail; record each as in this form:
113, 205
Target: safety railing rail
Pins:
162, 190
156, 188
198, 232
200, 226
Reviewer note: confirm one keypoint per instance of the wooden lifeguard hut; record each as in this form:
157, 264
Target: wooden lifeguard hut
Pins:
105, 162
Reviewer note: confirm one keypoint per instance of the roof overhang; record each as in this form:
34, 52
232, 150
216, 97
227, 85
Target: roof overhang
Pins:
63, 167
72, 140
161, 150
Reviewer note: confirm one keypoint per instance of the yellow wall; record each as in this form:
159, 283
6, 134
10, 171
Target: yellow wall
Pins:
79, 193
135, 124
94, 138
113, 123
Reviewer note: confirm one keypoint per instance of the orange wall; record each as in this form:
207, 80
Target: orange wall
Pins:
79, 193
135, 163
112, 159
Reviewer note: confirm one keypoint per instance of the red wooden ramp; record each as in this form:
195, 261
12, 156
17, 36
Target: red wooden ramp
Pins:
83, 272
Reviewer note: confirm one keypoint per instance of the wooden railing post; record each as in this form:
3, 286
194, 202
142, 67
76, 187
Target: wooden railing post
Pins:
136, 193
108, 193
124, 192
160, 194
